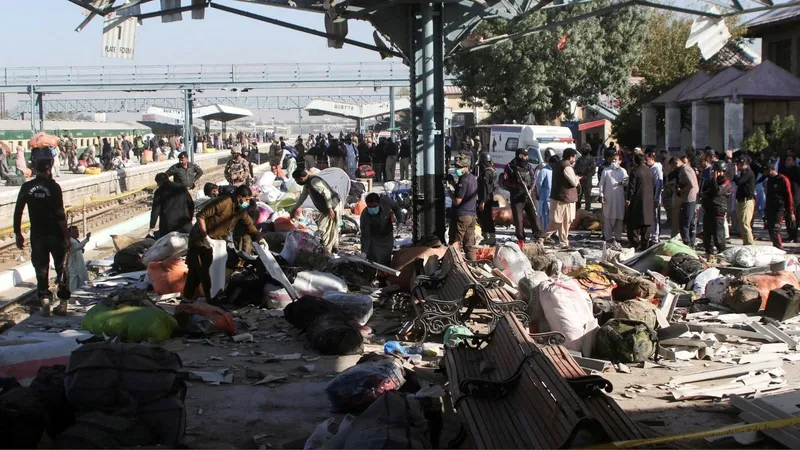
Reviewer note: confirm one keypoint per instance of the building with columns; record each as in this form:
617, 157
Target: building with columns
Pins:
723, 109
720, 110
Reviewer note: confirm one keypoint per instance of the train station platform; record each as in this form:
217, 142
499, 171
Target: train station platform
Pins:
79, 189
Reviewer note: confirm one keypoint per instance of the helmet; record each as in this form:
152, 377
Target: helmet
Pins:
720, 166
521, 151
485, 158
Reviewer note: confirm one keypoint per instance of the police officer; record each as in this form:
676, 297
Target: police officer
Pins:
779, 201
486, 184
518, 179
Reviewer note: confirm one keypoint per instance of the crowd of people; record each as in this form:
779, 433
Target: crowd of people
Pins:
706, 197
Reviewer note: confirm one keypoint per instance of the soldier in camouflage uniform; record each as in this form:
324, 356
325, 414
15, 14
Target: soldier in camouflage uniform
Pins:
238, 170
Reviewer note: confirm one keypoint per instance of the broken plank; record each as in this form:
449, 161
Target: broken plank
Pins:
753, 412
686, 342
764, 330
759, 357
723, 391
716, 329
726, 373
599, 365
778, 333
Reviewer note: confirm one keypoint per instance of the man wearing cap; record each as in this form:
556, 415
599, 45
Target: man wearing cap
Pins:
779, 201
326, 200
185, 173
563, 197
518, 179
48, 229
745, 181
465, 208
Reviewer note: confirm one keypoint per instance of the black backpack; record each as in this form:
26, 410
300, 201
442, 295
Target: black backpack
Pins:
683, 267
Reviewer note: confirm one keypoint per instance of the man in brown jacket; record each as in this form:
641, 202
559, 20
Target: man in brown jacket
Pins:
215, 221
563, 196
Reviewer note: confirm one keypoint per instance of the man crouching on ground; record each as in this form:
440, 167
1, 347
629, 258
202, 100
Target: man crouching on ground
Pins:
215, 221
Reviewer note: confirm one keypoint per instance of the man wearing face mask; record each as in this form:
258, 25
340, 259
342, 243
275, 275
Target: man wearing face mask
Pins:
326, 200
215, 221
377, 231
518, 179
465, 199
716, 197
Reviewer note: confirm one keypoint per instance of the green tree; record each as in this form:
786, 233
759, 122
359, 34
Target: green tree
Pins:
756, 142
533, 75
784, 134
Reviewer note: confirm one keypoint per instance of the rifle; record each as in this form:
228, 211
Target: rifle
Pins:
527, 192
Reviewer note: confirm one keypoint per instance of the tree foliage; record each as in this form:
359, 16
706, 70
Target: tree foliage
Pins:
784, 134
533, 75
756, 141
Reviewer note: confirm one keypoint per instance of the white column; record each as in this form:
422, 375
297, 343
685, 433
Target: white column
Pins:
699, 124
673, 127
649, 128
734, 124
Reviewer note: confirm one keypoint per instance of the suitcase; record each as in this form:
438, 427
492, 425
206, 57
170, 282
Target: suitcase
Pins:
783, 303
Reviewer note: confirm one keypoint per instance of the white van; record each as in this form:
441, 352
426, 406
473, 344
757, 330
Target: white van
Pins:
510, 137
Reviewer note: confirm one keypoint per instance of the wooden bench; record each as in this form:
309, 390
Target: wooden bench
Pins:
509, 394
438, 299
499, 302
613, 419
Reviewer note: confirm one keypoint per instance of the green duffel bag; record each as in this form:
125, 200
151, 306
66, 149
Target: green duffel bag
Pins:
625, 341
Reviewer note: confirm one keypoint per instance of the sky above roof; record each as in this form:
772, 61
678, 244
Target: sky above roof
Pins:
220, 38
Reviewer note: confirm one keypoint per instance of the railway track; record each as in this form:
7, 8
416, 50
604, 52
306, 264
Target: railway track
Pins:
97, 216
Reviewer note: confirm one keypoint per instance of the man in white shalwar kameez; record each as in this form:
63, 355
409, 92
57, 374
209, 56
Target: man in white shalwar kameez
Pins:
612, 196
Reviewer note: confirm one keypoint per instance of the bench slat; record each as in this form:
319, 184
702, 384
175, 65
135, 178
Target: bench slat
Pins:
559, 417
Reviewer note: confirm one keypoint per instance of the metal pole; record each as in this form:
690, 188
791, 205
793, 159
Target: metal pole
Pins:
32, 91
428, 119
300, 121
391, 110
40, 101
187, 123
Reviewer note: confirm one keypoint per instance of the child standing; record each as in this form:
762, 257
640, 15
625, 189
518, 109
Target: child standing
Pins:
78, 275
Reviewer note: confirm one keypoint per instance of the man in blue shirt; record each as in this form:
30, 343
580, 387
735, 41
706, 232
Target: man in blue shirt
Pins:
465, 211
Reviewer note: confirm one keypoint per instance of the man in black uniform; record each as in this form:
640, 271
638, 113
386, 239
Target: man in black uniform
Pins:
715, 197
779, 201
185, 173
517, 179
173, 207
49, 235
486, 182
792, 171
